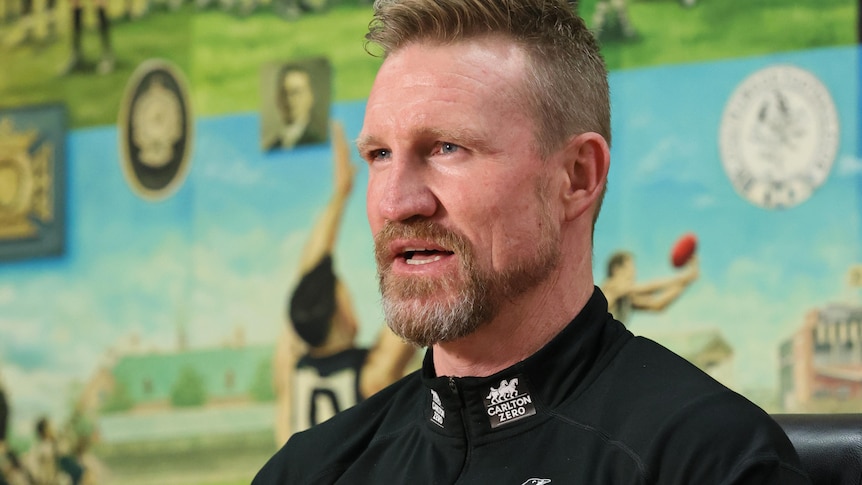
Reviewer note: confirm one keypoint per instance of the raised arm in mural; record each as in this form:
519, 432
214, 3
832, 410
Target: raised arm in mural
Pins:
625, 294
318, 369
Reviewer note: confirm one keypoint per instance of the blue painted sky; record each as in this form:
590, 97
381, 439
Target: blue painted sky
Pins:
760, 269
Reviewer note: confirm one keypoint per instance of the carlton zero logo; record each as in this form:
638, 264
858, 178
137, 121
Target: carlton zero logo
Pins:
438, 414
509, 402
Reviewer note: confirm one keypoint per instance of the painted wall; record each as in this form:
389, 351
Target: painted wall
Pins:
142, 316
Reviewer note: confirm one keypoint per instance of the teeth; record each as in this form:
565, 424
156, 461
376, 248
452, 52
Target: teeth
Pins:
424, 261
415, 249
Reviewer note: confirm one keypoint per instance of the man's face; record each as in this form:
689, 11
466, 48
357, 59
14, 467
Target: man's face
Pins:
298, 97
458, 197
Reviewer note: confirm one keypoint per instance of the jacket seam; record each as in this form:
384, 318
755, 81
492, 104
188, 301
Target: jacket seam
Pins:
340, 467
634, 456
760, 457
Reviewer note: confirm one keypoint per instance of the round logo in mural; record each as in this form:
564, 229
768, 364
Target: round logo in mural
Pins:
779, 136
155, 129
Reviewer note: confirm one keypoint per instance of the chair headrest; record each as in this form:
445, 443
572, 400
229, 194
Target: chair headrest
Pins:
829, 445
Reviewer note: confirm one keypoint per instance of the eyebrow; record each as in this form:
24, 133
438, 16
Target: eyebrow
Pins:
458, 136
364, 142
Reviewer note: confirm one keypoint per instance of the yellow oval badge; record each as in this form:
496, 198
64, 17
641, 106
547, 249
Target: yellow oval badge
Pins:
156, 130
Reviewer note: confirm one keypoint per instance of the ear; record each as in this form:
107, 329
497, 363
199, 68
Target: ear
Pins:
587, 160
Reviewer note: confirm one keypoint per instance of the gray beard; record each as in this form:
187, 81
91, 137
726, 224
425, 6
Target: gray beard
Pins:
474, 297
428, 323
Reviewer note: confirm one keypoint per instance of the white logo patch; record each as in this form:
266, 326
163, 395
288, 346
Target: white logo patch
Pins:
508, 403
537, 481
438, 414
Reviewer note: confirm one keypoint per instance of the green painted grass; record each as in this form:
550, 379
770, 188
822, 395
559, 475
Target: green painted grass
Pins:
31, 73
228, 54
715, 29
221, 53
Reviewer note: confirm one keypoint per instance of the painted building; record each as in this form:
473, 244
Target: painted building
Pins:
821, 364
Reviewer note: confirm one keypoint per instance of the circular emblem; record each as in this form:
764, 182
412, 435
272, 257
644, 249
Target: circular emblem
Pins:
779, 136
155, 129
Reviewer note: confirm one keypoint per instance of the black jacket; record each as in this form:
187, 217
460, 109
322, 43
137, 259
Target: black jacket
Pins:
596, 405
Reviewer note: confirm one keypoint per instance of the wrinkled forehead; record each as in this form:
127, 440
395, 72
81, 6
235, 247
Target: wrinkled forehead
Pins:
494, 61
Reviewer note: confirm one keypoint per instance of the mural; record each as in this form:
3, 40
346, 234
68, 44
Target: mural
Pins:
147, 326
768, 251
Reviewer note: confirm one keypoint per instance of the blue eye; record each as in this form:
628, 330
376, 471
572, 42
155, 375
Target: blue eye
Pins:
448, 147
380, 154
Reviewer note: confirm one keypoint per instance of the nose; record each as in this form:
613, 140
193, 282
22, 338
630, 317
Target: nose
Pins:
402, 190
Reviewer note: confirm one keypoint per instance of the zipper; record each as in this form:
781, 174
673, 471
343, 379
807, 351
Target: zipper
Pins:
453, 386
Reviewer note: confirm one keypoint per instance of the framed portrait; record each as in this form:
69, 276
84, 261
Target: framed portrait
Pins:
295, 102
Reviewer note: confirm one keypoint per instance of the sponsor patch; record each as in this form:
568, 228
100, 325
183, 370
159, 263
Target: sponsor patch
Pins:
509, 402
438, 414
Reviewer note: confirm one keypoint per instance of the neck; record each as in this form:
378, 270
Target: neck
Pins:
522, 326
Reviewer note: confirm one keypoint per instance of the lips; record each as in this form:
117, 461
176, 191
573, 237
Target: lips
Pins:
417, 244
423, 255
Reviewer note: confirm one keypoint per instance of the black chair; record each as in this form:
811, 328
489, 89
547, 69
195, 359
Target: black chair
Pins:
829, 445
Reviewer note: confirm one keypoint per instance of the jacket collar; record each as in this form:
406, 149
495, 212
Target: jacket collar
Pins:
521, 395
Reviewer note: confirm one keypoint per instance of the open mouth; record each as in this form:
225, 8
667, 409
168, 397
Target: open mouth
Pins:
418, 256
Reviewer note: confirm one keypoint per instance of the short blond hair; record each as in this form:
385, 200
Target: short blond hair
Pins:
566, 86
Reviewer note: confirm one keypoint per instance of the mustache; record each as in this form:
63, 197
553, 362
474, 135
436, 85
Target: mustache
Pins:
429, 231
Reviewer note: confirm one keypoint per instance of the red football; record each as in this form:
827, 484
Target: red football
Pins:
683, 249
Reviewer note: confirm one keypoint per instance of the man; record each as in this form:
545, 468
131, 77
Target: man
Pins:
297, 114
318, 369
625, 295
486, 138
29, 20
106, 63
611, 21
7, 467
295, 100
44, 455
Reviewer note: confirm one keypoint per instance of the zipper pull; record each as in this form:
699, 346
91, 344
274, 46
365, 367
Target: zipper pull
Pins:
453, 386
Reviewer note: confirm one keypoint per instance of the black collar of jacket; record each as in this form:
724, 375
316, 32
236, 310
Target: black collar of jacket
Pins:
525, 394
